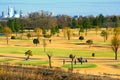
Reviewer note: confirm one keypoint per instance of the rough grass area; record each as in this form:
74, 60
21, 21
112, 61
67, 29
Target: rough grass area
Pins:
31, 62
80, 66
14, 72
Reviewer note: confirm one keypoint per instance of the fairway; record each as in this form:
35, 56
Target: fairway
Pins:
58, 52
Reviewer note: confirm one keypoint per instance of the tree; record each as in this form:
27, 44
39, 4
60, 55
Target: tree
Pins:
44, 44
67, 32
101, 20
117, 31
86, 25
44, 31
104, 34
72, 57
7, 32
36, 41
11, 24
53, 31
16, 26
74, 23
81, 29
49, 57
115, 21
28, 54
115, 44
96, 29
38, 32
89, 42
81, 38
28, 35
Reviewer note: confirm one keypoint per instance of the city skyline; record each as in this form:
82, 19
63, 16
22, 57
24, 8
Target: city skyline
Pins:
12, 12
72, 7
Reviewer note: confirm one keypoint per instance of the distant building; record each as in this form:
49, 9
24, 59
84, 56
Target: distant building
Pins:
76, 16
12, 13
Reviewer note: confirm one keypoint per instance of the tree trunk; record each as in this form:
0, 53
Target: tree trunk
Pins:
7, 40
115, 55
21, 36
104, 38
44, 48
27, 57
50, 62
72, 65
86, 32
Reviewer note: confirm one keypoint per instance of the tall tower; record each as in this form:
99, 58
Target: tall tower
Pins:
3, 14
10, 12
21, 14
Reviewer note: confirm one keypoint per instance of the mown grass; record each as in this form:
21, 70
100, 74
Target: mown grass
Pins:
31, 62
57, 52
80, 66
5, 60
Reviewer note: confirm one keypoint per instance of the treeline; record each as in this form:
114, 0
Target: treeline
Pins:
46, 21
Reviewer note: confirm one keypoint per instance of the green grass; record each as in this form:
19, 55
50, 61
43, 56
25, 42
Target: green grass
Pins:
118, 65
32, 62
57, 52
5, 60
80, 66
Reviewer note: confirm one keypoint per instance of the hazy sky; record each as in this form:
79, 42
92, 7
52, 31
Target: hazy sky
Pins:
68, 7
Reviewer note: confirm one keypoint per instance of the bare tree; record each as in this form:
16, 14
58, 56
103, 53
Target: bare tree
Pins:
44, 44
67, 32
7, 32
72, 57
115, 44
49, 54
38, 32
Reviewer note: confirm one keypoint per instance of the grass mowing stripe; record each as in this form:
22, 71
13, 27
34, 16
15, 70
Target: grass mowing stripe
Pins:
58, 52
5, 60
80, 66
32, 62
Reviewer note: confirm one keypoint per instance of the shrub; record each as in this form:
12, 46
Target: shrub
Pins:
36, 41
29, 35
89, 42
81, 38
13, 37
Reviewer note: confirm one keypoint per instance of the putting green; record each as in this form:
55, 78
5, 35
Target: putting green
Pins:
80, 66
